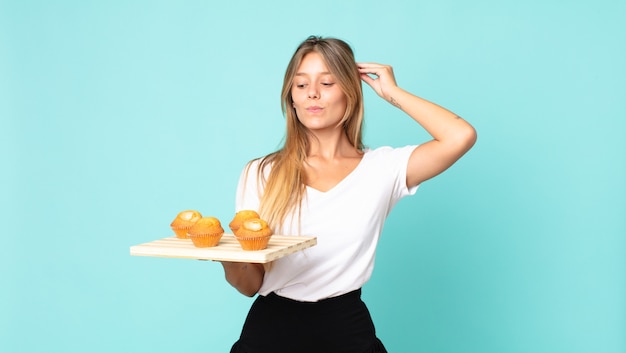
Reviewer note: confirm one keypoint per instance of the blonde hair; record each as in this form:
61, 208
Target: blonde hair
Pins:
284, 187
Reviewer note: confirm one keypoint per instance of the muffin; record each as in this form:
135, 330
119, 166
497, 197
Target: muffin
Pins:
240, 217
183, 222
206, 232
254, 234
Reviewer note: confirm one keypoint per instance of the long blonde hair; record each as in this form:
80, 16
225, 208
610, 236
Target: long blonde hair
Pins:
284, 188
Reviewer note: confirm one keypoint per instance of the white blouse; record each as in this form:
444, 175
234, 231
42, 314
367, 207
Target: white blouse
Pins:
347, 221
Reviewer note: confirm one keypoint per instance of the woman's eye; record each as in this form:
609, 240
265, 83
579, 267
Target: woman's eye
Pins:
327, 83
300, 85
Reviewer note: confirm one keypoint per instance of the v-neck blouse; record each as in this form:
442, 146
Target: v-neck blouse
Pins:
345, 179
347, 221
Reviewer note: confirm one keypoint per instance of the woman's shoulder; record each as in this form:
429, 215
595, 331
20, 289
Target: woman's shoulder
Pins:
260, 165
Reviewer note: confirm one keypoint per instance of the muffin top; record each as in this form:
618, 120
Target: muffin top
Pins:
240, 217
186, 219
206, 225
254, 227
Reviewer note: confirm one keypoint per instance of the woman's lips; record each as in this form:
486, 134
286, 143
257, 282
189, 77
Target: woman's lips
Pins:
314, 109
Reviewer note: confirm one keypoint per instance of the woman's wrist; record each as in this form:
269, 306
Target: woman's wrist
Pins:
396, 96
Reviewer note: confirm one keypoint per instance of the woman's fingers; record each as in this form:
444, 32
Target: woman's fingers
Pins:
374, 71
379, 77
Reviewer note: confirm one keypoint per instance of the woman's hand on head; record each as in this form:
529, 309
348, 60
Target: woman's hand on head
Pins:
378, 76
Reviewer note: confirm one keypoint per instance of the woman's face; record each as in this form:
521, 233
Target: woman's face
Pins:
317, 97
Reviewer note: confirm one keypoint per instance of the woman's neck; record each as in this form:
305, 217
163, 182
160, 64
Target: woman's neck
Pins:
331, 146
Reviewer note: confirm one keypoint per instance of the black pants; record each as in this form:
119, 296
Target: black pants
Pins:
280, 325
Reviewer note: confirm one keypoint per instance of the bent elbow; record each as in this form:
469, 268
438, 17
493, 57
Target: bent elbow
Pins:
246, 278
465, 138
470, 137
242, 286
249, 293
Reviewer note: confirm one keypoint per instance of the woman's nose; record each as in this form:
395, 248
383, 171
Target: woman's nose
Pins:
313, 92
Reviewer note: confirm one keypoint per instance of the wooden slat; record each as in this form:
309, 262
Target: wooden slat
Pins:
228, 249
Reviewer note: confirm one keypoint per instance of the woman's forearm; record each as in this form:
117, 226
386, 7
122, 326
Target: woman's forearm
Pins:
442, 124
245, 277
447, 129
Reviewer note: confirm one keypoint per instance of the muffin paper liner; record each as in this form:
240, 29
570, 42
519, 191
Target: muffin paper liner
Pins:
253, 243
205, 240
181, 232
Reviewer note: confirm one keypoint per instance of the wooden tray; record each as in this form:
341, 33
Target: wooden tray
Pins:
228, 249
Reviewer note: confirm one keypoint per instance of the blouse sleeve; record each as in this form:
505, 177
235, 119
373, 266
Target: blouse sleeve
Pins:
403, 154
248, 193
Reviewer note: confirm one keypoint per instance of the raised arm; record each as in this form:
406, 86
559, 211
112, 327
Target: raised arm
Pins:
245, 277
452, 136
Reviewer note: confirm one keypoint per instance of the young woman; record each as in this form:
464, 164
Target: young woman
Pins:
325, 182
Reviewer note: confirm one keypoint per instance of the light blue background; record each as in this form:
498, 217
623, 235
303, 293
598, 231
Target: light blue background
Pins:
115, 115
